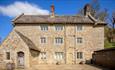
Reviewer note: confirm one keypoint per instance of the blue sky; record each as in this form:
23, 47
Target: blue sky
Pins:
11, 8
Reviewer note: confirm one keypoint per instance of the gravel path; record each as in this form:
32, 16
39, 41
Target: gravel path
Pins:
66, 67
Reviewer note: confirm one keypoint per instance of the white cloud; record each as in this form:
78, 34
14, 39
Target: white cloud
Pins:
18, 8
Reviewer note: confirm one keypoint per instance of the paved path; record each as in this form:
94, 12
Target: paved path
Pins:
66, 67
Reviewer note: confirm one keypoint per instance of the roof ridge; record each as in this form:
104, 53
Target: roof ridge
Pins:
57, 15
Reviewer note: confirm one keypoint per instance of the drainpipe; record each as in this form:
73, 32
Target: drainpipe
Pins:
65, 43
75, 44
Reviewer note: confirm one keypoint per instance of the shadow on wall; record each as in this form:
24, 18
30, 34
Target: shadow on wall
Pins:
33, 49
34, 53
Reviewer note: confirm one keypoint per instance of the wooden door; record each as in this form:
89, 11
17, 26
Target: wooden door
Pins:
20, 59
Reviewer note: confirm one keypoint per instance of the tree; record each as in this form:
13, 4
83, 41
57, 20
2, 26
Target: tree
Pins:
113, 24
96, 11
113, 20
110, 32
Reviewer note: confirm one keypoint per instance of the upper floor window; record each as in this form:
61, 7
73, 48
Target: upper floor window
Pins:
79, 40
58, 27
43, 39
59, 55
43, 55
79, 55
44, 27
58, 40
79, 27
8, 55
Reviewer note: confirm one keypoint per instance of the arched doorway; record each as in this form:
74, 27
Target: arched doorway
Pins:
20, 59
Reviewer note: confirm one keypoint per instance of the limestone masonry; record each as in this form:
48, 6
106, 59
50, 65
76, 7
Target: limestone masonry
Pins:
52, 39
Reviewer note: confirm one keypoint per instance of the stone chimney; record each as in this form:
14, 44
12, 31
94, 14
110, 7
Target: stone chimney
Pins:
52, 10
87, 9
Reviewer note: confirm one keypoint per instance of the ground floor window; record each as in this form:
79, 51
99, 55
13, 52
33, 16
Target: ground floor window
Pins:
8, 55
59, 55
79, 55
43, 55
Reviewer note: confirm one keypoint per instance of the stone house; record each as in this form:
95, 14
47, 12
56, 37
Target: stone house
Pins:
52, 39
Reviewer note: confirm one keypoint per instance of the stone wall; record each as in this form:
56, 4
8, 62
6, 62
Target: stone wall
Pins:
93, 39
105, 57
14, 44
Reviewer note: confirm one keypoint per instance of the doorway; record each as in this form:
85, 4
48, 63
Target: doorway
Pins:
20, 59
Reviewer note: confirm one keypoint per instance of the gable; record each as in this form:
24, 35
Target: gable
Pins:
15, 41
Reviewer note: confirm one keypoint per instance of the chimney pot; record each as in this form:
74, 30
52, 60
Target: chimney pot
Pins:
87, 9
52, 10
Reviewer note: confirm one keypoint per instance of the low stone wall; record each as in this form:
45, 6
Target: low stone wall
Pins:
105, 57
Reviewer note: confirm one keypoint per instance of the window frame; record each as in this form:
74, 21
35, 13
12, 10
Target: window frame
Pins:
79, 27
79, 40
59, 40
43, 55
8, 55
59, 27
59, 56
44, 27
79, 55
43, 40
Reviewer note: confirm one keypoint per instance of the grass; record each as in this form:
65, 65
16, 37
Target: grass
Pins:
109, 45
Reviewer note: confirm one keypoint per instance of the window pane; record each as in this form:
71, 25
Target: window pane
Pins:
79, 55
43, 55
58, 27
59, 55
43, 39
79, 27
44, 27
79, 40
58, 40
8, 55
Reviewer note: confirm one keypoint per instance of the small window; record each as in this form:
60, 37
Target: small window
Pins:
43, 55
8, 55
58, 27
58, 40
59, 55
79, 40
44, 27
79, 55
79, 27
43, 39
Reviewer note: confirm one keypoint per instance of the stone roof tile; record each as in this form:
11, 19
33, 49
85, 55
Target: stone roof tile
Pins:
49, 19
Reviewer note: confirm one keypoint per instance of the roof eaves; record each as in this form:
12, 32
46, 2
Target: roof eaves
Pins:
17, 17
